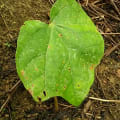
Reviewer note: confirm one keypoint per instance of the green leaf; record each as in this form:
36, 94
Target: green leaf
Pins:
58, 59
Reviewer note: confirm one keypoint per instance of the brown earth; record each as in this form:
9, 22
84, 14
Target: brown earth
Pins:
18, 104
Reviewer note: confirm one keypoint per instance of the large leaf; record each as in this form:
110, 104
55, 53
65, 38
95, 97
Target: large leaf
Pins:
58, 59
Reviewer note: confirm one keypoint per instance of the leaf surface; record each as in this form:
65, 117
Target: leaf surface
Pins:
58, 59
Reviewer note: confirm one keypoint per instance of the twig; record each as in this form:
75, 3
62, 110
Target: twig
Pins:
104, 100
89, 114
109, 51
112, 1
12, 90
99, 81
15, 86
5, 103
51, 2
87, 106
66, 106
101, 10
95, 2
87, 2
110, 33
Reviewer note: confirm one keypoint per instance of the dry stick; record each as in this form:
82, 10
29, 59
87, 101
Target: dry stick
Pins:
94, 10
87, 2
56, 104
93, 98
51, 2
91, 11
116, 8
102, 11
5, 103
104, 100
97, 77
12, 90
109, 51
66, 106
107, 25
110, 33
89, 114
5, 22
95, 2
15, 86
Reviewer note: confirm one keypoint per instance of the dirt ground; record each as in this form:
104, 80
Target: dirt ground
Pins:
17, 103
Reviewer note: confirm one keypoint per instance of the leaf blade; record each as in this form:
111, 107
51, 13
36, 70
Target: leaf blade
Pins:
59, 59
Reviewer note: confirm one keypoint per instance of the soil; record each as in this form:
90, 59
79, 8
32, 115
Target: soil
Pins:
20, 105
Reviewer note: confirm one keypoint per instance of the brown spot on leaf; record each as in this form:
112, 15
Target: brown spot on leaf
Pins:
22, 72
69, 69
64, 87
26, 78
92, 67
36, 69
60, 35
32, 85
49, 46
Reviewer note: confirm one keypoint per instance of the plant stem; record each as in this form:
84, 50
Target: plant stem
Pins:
56, 104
